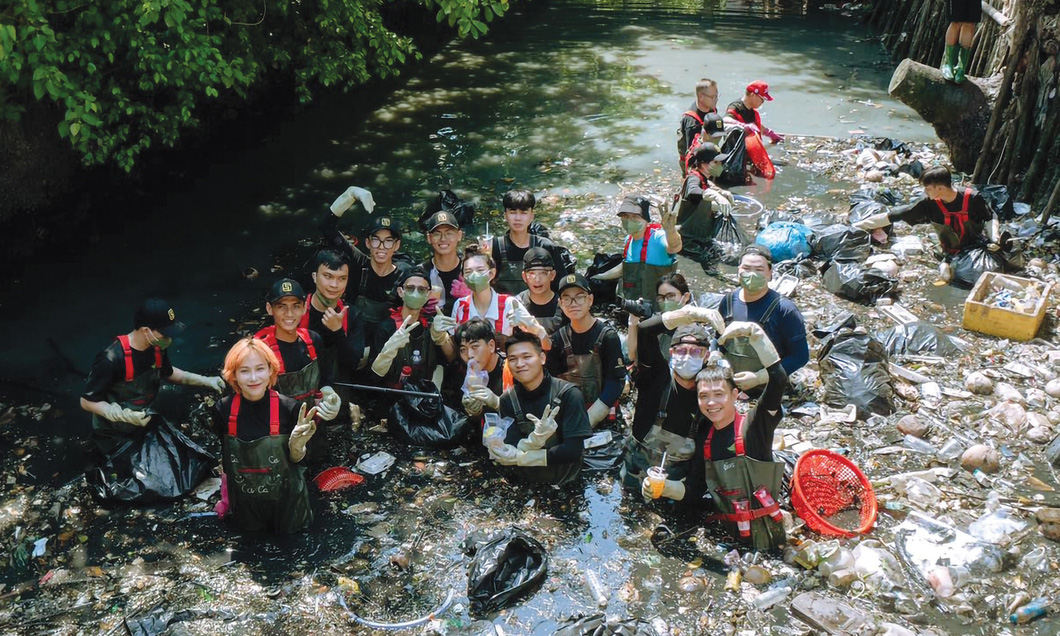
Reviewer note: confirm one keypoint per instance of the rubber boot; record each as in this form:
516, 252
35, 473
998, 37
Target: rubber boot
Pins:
949, 58
964, 57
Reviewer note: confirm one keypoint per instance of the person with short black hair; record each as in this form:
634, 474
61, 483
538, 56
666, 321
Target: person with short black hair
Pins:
340, 325
539, 274
508, 249
960, 217
701, 198
444, 267
477, 344
544, 444
695, 119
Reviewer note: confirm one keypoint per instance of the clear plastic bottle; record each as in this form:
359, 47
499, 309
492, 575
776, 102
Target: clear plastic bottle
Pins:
475, 377
599, 593
771, 597
417, 361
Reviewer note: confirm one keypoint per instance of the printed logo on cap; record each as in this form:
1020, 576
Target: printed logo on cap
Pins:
385, 222
570, 279
443, 218
286, 286
172, 316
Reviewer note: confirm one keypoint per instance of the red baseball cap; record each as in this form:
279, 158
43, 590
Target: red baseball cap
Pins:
760, 88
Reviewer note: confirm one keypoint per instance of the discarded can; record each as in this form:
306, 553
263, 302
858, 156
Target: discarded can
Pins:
1035, 609
732, 581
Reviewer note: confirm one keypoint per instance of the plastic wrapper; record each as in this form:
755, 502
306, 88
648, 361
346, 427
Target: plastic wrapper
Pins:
801, 268
786, 241
841, 243
857, 282
854, 370
506, 567
924, 544
735, 172
971, 262
917, 338
425, 421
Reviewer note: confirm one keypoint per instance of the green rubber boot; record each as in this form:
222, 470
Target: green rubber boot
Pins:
949, 58
964, 57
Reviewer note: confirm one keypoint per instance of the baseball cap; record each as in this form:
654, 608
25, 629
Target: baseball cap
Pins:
439, 219
157, 314
574, 280
413, 272
283, 288
707, 152
760, 88
635, 204
713, 123
383, 223
759, 250
694, 333
538, 257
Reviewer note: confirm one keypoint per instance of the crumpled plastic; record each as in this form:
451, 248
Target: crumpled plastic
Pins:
506, 567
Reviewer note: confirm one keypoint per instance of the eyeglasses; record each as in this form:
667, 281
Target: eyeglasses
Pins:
568, 301
447, 235
686, 351
538, 273
417, 288
386, 243
670, 297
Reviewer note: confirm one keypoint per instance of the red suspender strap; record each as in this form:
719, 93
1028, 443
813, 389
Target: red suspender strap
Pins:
735, 115
465, 309
274, 413
126, 350
304, 322
961, 215
501, 298
739, 447
308, 340
694, 115
268, 336
233, 414
158, 357
643, 243
345, 317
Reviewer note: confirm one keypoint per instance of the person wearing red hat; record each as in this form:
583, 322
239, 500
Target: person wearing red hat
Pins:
744, 112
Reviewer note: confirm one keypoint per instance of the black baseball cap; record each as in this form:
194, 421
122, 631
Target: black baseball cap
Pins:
574, 280
413, 272
694, 333
707, 152
538, 257
757, 249
383, 223
158, 315
283, 288
713, 123
439, 219
634, 204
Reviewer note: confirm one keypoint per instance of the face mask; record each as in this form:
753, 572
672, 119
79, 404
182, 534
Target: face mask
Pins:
477, 281
686, 367
415, 299
670, 305
752, 281
715, 169
161, 344
633, 226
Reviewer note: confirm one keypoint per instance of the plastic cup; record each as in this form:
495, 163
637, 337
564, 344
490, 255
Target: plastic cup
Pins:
437, 291
485, 243
657, 480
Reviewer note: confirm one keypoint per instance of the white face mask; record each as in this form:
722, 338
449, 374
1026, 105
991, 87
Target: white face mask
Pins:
686, 367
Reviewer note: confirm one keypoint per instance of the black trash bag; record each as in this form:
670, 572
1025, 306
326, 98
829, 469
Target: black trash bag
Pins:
914, 169
999, 199
601, 625
539, 230
886, 143
159, 465
801, 267
917, 338
728, 240
841, 243
506, 567
858, 282
886, 196
570, 261
448, 201
735, 173
817, 221
157, 620
853, 369
710, 300
970, 263
604, 458
426, 421
862, 208
604, 291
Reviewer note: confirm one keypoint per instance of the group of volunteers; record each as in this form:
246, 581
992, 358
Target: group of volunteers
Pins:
508, 337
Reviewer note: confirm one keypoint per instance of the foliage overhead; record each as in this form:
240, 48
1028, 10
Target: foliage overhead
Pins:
130, 73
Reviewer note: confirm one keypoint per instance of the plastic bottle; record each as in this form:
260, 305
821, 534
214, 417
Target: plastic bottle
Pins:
1035, 609
599, 593
406, 373
771, 597
918, 445
476, 377
417, 360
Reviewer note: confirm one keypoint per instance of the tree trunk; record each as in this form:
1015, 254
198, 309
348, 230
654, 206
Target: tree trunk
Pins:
959, 112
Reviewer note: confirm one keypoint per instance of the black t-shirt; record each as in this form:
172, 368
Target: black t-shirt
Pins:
582, 343
348, 345
690, 125
551, 309
419, 339
746, 114
927, 211
681, 408
253, 419
108, 369
515, 254
572, 426
652, 364
363, 279
295, 356
447, 279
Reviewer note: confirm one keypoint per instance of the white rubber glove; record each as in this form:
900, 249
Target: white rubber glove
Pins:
302, 432
757, 338
440, 328
505, 454
613, 273
382, 363
750, 379
486, 397
678, 317
115, 413
522, 318
532, 458
329, 404
472, 406
706, 315
872, 222
544, 427
718, 202
598, 412
352, 194
671, 490
216, 382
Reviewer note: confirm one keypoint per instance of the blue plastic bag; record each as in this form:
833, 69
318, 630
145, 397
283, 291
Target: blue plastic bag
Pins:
786, 241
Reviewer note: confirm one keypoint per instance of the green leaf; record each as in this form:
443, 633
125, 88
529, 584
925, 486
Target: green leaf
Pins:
75, 128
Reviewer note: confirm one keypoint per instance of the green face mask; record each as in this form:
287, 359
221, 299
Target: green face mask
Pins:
752, 281
670, 305
633, 226
477, 281
415, 299
715, 169
161, 344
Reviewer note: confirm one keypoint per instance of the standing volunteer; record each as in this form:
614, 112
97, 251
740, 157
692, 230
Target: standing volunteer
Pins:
694, 119
509, 249
701, 199
340, 325
539, 274
444, 265
744, 111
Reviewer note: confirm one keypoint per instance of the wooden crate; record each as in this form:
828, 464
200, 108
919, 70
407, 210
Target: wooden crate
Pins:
999, 321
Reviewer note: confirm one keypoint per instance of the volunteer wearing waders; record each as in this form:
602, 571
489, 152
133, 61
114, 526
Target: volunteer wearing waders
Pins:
701, 199
744, 112
300, 376
263, 440
733, 462
959, 217
782, 321
693, 119
374, 276
484, 377
404, 340
120, 392
587, 352
444, 266
340, 325
665, 420
544, 443
539, 274
964, 15
509, 249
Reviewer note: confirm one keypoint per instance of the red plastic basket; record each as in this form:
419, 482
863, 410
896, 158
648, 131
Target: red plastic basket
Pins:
825, 484
337, 478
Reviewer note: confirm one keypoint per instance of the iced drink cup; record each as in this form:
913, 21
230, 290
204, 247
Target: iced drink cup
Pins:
657, 480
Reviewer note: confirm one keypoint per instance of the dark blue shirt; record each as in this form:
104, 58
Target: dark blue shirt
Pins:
784, 326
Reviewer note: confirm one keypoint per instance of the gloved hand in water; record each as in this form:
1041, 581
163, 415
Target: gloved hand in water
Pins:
352, 194
302, 433
116, 413
329, 404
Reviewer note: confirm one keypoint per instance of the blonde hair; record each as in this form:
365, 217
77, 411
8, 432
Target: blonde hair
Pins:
238, 355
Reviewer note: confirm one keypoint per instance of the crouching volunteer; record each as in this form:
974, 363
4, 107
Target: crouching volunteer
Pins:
404, 341
263, 440
701, 199
733, 463
120, 392
300, 375
545, 442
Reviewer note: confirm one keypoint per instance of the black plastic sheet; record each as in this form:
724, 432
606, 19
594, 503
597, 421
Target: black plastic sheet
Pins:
604, 291
856, 282
971, 262
841, 243
735, 173
448, 201
604, 458
917, 338
506, 567
854, 370
425, 421
999, 199
729, 240
801, 268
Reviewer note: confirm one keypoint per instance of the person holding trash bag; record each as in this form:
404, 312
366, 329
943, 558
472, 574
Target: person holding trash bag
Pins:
650, 250
782, 321
508, 249
744, 111
404, 341
701, 199
444, 267
263, 442
544, 443
733, 463
665, 419
484, 374
959, 217
693, 120
587, 352
120, 392
539, 274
